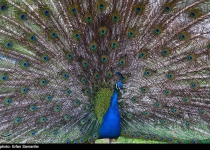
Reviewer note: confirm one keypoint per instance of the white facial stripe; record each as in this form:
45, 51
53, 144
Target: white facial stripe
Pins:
117, 87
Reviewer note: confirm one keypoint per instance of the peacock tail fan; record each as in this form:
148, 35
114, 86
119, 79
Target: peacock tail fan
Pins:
58, 60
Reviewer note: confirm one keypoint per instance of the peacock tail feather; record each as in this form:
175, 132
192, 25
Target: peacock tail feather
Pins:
58, 64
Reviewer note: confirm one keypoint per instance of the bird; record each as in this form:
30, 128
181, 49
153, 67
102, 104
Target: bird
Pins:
75, 71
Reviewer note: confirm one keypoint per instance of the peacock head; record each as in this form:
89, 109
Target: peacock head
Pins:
119, 86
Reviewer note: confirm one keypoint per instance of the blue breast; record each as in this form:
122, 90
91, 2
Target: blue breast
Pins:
110, 127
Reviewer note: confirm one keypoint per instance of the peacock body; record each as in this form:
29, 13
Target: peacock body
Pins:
110, 126
73, 71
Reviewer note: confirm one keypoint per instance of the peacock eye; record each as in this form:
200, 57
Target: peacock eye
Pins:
164, 52
33, 133
130, 34
69, 91
187, 124
115, 18
182, 36
68, 142
141, 55
157, 31
93, 47
4, 78
77, 36
74, 10
33, 38
104, 58
85, 63
55, 132
138, 9
167, 8
54, 34
9, 44
109, 75
87, 92
65, 75
190, 57
193, 85
46, 13
3, 7
192, 14
25, 64
88, 18
70, 56
122, 62
23, 17
101, 6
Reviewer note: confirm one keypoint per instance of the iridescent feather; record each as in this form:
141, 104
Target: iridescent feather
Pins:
63, 64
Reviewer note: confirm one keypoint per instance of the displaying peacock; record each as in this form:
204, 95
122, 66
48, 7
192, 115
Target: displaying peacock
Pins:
73, 71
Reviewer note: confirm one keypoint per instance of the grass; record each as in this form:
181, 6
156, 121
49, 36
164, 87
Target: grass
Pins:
128, 140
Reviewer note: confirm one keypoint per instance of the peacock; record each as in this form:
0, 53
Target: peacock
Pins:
74, 71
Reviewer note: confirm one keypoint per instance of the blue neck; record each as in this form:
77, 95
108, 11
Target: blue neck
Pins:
110, 127
114, 100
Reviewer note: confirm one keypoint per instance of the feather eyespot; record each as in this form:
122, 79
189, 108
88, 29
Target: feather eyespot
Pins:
32, 108
86, 92
7, 101
104, 58
46, 12
33, 133
109, 74
23, 90
43, 119
3, 7
67, 117
23, 16
85, 63
57, 108
3, 77
33, 38
83, 80
9, 44
18, 120
76, 102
